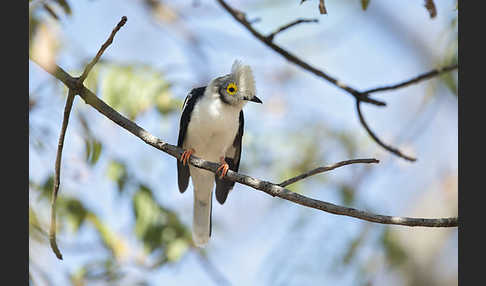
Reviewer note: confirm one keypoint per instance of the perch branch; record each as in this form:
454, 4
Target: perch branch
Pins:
270, 188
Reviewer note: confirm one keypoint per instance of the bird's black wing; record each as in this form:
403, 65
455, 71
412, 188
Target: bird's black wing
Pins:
233, 156
189, 102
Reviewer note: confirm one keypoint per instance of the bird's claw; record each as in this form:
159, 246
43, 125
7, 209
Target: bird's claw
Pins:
185, 155
223, 168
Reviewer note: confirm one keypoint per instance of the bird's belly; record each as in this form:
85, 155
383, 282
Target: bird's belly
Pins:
211, 137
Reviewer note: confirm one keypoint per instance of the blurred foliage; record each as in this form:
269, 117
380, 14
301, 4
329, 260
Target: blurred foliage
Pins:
93, 150
364, 4
395, 253
159, 228
117, 172
451, 57
133, 89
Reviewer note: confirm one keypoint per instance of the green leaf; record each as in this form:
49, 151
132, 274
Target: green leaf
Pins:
108, 237
159, 228
74, 210
395, 253
93, 149
364, 4
65, 6
347, 194
117, 172
133, 90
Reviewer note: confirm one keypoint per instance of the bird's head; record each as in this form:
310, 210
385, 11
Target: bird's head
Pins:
238, 87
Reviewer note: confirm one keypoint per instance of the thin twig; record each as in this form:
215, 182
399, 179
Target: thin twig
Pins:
291, 24
241, 18
359, 96
377, 140
421, 77
57, 176
74, 86
108, 42
325, 169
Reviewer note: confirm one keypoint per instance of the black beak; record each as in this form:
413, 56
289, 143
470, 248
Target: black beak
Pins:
255, 99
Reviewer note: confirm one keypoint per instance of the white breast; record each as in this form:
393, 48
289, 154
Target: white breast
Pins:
212, 128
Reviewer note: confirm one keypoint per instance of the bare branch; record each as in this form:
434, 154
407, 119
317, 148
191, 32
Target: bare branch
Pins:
74, 85
377, 140
57, 176
417, 79
102, 49
291, 24
241, 18
325, 169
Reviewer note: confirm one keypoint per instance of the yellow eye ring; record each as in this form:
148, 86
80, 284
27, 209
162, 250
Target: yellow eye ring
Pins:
231, 88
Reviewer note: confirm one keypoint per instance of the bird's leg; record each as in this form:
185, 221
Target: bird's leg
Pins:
224, 167
185, 155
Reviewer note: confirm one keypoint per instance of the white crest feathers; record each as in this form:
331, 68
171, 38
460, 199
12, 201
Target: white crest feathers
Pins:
244, 77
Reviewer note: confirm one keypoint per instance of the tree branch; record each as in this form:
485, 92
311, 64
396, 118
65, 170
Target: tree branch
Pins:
360, 96
265, 186
76, 87
419, 78
377, 140
102, 49
241, 18
57, 176
291, 24
325, 169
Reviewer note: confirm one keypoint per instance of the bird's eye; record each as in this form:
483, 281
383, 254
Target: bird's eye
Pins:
231, 88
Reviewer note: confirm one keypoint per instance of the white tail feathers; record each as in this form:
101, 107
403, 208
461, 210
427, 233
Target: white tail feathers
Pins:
201, 220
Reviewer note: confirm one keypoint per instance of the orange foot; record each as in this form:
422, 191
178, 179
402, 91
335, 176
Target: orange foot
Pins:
185, 155
224, 167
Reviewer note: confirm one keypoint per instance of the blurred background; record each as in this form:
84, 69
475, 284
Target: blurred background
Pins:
121, 218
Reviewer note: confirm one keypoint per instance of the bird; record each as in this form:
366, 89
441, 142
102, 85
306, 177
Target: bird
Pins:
211, 128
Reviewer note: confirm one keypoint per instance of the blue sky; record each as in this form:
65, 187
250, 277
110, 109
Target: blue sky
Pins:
253, 232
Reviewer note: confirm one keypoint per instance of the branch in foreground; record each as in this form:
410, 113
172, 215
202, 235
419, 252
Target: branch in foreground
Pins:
270, 188
377, 140
74, 87
325, 169
57, 176
419, 78
291, 24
